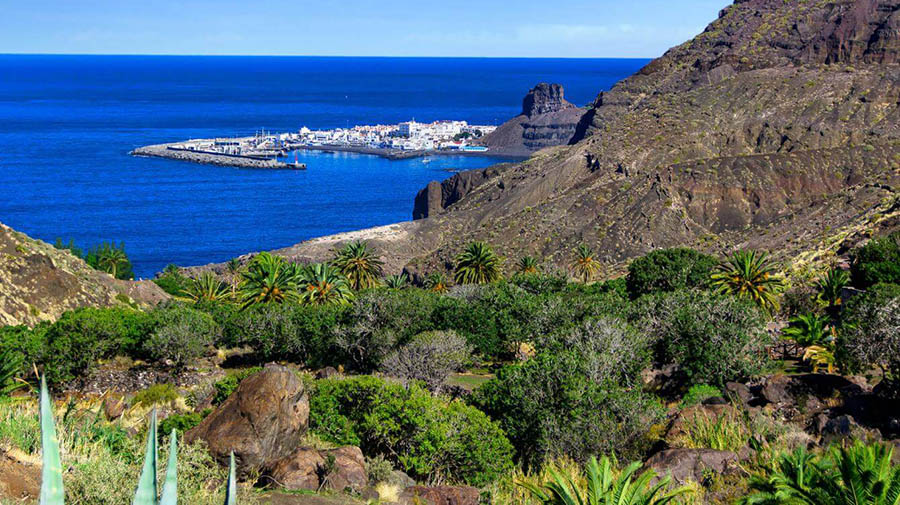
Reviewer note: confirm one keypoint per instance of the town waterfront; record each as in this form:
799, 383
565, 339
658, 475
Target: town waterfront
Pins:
67, 124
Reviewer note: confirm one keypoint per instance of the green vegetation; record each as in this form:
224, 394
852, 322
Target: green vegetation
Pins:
606, 486
527, 265
106, 257
669, 270
750, 275
877, 262
207, 288
585, 265
698, 393
436, 282
831, 285
359, 264
269, 279
400, 281
477, 264
322, 284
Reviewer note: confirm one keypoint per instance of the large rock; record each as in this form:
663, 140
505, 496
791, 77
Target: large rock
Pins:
440, 495
310, 469
545, 98
683, 420
262, 421
692, 464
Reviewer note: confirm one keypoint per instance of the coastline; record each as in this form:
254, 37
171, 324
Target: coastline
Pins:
397, 154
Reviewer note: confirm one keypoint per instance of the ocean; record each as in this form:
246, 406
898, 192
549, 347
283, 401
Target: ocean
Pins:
67, 124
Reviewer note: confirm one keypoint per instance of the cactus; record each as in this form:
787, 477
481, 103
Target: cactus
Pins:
52, 492
51, 475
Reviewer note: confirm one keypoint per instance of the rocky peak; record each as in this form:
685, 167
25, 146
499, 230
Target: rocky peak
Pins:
544, 99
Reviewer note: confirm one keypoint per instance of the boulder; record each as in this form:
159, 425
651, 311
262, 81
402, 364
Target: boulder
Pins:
114, 406
328, 371
845, 427
262, 421
440, 495
691, 464
738, 392
310, 469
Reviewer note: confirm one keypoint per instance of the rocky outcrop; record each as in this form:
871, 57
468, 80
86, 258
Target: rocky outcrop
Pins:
261, 422
39, 282
547, 119
692, 465
342, 469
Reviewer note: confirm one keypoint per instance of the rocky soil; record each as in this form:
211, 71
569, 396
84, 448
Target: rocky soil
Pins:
39, 282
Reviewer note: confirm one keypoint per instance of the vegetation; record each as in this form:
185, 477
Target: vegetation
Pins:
110, 258
877, 262
750, 275
477, 264
322, 284
527, 265
400, 281
605, 486
669, 270
808, 329
437, 283
269, 279
359, 264
430, 358
207, 288
585, 265
831, 285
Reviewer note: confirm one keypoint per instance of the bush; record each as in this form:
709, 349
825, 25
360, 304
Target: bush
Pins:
425, 436
73, 344
181, 335
181, 423
699, 393
713, 339
157, 394
877, 262
429, 357
549, 406
669, 270
871, 336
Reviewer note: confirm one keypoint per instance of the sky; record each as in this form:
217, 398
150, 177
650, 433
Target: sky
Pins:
482, 28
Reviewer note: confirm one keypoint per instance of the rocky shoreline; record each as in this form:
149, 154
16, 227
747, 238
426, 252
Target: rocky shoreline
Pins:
168, 151
398, 154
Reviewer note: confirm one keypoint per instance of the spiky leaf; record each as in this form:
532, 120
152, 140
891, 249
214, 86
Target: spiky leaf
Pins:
231, 490
51, 476
170, 487
146, 491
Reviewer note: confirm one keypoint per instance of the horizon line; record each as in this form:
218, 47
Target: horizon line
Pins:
336, 56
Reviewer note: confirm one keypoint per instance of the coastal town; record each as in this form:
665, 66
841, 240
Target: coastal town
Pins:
271, 150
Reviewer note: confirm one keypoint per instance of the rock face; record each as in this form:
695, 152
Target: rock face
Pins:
777, 128
440, 495
691, 464
310, 469
547, 119
262, 421
39, 282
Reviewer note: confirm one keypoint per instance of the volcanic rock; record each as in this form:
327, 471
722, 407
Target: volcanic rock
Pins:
310, 469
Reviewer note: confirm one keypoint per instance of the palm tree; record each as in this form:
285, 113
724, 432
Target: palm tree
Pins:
111, 259
400, 281
605, 486
749, 275
269, 279
807, 330
359, 264
207, 288
585, 265
528, 265
323, 284
477, 264
234, 268
437, 282
831, 285
857, 475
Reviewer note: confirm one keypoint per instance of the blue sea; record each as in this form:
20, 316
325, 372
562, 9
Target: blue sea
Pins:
67, 124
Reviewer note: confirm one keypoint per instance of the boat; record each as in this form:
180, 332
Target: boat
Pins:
426, 160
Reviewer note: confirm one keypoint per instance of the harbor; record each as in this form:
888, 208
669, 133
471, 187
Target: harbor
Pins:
272, 150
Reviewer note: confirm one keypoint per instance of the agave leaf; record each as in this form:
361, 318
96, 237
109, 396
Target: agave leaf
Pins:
231, 490
170, 487
146, 491
52, 492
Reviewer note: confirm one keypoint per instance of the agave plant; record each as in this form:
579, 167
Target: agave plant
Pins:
400, 281
322, 284
269, 279
477, 264
831, 285
359, 264
53, 493
527, 265
207, 288
857, 475
607, 487
585, 265
749, 275
436, 282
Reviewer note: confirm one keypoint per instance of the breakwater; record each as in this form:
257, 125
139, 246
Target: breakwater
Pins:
173, 152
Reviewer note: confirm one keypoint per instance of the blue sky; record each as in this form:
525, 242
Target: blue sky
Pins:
489, 28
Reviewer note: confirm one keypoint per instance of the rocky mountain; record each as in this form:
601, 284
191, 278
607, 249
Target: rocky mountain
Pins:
777, 128
39, 282
547, 119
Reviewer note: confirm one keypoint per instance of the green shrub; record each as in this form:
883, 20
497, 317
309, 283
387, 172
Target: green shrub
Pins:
157, 394
871, 332
230, 383
425, 436
111, 258
429, 357
181, 335
877, 262
669, 270
712, 338
182, 422
172, 281
552, 405
698, 393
